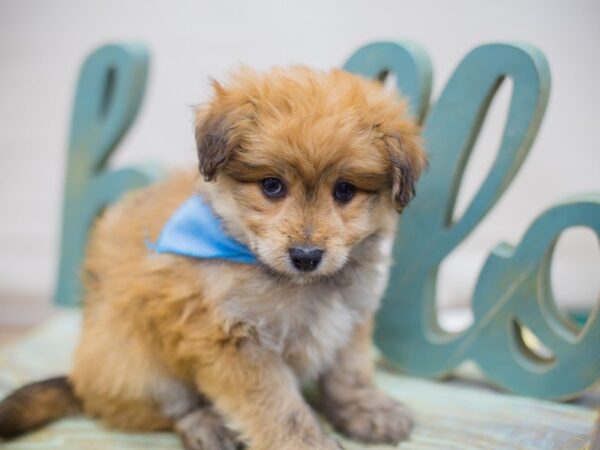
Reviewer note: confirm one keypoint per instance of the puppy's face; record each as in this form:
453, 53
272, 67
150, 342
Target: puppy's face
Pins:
307, 165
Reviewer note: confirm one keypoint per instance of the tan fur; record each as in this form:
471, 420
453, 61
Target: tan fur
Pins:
164, 336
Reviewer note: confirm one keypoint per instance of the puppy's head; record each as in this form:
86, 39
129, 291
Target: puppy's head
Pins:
307, 164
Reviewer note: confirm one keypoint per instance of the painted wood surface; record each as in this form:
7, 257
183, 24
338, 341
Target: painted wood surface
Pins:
513, 289
108, 96
448, 415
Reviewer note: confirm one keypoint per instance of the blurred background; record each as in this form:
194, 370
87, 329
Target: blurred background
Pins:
42, 45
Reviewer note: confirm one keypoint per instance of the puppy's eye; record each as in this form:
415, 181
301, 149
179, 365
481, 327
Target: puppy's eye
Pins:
273, 187
343, 191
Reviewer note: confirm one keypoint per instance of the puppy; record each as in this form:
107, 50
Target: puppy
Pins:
309, 170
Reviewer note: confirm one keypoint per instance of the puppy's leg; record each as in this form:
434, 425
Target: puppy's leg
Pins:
353, 404
204, 429
254, 388
194, 418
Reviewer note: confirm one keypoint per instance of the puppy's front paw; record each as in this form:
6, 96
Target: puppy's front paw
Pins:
370, 417
204, 429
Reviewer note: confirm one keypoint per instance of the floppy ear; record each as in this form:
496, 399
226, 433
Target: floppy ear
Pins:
218, 131
212, 143
407, 160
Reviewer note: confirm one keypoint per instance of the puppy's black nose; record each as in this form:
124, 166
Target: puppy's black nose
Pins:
305, 258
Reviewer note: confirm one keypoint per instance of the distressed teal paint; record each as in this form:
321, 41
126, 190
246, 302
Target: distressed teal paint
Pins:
109, 92
427, 234
514, 283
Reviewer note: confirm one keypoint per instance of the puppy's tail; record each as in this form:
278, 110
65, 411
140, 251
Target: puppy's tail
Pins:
37, 404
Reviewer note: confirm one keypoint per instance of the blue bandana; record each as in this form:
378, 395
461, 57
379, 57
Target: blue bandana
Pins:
195, 231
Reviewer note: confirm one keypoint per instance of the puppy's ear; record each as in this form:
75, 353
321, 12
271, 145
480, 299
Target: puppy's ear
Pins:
407, 161
218, 131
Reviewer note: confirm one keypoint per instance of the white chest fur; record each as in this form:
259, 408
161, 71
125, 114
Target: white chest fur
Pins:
306, 325
315, 330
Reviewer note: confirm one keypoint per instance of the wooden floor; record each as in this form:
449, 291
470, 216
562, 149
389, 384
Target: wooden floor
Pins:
449, 415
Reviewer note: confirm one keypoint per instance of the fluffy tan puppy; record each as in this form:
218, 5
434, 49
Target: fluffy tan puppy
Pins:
309, 170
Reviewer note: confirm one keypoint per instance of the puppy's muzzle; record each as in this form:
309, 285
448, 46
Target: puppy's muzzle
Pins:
305, 259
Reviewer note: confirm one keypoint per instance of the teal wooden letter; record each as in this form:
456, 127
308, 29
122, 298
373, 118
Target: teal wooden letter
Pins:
514, 290
109, 92
407, 61
507, 295
407, 323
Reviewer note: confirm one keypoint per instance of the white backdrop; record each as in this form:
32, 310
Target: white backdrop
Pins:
43, 43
